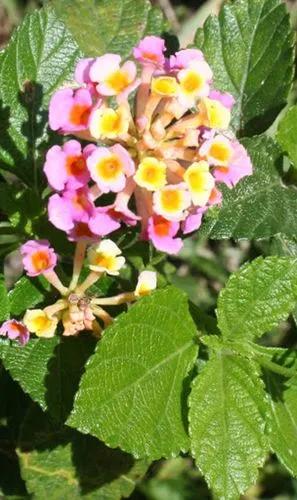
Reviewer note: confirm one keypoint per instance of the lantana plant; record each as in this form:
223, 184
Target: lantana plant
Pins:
129, 333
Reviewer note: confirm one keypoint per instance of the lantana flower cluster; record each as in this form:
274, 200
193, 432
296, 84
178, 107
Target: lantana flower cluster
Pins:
76, 310
157, 144
151, 145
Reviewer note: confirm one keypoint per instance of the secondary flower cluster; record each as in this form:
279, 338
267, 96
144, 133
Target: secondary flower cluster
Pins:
158, 143
75, 308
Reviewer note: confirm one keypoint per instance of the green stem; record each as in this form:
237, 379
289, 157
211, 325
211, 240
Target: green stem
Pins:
275, 367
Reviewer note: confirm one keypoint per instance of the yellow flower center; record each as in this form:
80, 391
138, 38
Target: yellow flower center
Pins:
106, 261
118, 81
164, 85
109, 168
171, 200
41, 322
220, 152
192, 82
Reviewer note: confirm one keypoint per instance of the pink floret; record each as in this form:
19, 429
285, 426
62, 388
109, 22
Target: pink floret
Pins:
150, 51
162, 234
38, 257
15, 330
69, 110
66, 167
239, 166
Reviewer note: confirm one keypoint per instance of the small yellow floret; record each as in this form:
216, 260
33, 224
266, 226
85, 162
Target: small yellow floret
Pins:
147, 282
165, 86
200, 182
105, 257
38, 322
109, 123
214, 114
151, 174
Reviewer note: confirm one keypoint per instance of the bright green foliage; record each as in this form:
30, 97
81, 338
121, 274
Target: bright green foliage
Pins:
260, 206
257, 297
250, 47
48, 370
287, 134
145, 357
111, 26
282, 418
60, 463
227, 406
38, 60
4, 302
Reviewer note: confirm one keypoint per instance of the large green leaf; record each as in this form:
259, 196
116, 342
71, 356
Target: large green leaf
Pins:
116, 26
227, 406
282, 417
48, 370
4, 302
39, 58
132, 394
260, 206
257, 297
61, 463
287, 133
250, 47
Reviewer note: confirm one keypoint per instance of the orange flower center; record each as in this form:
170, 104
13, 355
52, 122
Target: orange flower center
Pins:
82, 230
79, 114
75, 165
40, 260
150, 56
161, 226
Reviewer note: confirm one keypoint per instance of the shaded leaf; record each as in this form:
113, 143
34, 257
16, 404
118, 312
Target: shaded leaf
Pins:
227, 406
282, 417
39, 58
145, 356
61, 463
287, 133
257, 297
260, 206
250, 47
4, 302
49, 370
113, 27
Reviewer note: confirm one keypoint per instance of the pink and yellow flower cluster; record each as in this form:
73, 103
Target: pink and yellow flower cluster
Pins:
76, 309
158, 145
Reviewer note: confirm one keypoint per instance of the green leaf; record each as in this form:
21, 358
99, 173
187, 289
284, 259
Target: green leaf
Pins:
260, 205
250, 47
49, 370
132, 394
227, 406
257, 297
114, 27
61, 463
39, 58
282, 418
26, 294
287, 133
4, 302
